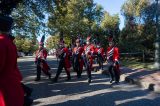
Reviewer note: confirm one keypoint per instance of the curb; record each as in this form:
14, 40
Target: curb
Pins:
147, 85
144, 84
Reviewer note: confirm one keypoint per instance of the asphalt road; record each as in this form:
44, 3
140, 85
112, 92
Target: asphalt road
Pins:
78, 92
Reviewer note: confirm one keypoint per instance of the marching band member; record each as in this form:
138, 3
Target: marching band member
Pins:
77, 58
100, 55
64, 62
40, 61
89, 50
113, 61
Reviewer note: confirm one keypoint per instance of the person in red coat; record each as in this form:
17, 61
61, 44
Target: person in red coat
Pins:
11, 91
64, 62
113, 61
40, 61
77, 58
89, 50
99, 51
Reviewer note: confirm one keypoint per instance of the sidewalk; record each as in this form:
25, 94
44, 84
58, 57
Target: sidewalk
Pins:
148, 79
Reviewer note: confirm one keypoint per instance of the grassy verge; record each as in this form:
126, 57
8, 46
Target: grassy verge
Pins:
134, 64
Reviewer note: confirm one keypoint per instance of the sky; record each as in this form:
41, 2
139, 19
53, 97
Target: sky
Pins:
113, 7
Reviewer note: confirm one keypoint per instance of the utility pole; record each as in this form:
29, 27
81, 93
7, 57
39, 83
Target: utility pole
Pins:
157, 43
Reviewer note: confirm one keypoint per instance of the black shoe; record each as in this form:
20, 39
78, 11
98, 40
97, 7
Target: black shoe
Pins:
89, 80
37, 79
111, 80
29, 92
49, 77
78, 76
27, 101
117, 82
68, 79
54, 80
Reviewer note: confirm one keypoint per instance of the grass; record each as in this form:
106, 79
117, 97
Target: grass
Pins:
134, 64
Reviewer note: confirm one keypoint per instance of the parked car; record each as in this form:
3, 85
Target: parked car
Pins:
20, 54
30, 54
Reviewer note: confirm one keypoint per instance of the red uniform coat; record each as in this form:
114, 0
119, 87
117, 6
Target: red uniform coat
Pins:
89, 51
66, 57
10, 77
42, 54
100, 51
112, 54
79, 51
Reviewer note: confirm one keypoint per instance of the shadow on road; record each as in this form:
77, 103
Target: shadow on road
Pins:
78, 92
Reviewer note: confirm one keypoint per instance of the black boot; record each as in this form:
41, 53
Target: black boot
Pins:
57, 75
68, 78
89, 80
38, 73
111, 80
49, 76
55, 79
78, 76
28, 101
37, 79
117, 82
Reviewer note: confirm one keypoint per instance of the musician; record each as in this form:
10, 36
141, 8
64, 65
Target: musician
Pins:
89, 50
77, 58
99, 51
40, 61
113, 61
64, 62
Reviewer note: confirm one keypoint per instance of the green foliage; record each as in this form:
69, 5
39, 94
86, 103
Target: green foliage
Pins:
139, 31
57, 13
67, 41
27, 22
25, 44
69, 18
52, 42
75, 17
110, 24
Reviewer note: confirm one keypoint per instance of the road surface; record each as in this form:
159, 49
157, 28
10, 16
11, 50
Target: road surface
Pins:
78, 92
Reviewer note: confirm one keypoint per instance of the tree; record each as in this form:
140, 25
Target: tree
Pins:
68, 18
57, 12
134, 34
29, 16
28, 21
110, 25
52, 42
75, 17
25, 44
7, 6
